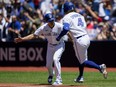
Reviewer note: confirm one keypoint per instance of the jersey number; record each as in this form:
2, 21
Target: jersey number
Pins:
80, 22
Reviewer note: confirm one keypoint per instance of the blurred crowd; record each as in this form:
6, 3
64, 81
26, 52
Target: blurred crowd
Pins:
19, 18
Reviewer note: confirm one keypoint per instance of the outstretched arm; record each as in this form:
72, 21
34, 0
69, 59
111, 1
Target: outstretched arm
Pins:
64, 31
26, 38
88, 8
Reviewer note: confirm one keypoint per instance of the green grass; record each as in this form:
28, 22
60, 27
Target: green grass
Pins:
92, 79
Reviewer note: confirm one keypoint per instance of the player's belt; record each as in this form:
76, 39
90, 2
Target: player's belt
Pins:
80, 36
53, 44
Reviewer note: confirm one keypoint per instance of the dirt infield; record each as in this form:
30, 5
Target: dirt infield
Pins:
30, 85
72, 69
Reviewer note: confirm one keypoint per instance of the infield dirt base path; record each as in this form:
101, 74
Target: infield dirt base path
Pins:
69, 69
30, 85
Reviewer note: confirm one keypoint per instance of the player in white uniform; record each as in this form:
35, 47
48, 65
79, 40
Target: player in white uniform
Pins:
50, 31
76, 25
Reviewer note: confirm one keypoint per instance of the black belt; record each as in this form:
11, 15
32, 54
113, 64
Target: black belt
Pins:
80, 36
54, 44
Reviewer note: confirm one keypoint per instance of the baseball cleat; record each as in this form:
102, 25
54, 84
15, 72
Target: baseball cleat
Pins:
57, 83
50, 79
103, 70
79, 79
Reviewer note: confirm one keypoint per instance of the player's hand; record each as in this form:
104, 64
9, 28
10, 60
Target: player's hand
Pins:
17, 40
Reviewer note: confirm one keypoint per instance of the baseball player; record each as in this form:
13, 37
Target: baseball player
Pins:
75, 25
50, 31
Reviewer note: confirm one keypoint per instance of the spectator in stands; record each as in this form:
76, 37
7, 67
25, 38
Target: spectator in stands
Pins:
105, 32
24, 29
13, 29
113, 4
17, 7
46, 5
2, 9
96, 11
95, 5
34, 20
113, 32
101, 10
108, 8
113, 13
93, 14
31, 3
59, 7
37, 3
2, 27
80, 9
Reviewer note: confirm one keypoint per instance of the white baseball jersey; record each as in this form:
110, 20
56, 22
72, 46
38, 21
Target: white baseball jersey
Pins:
54, 48
77, 25
50, 34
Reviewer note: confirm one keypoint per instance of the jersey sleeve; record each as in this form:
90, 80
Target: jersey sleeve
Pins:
39, 31
66, 21
60, 26
64, 31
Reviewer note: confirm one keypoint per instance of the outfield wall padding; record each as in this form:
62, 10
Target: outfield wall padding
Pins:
34, 54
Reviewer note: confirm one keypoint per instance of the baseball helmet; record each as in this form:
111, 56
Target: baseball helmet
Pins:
49, 17
68, 6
